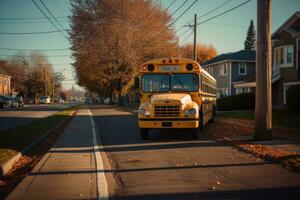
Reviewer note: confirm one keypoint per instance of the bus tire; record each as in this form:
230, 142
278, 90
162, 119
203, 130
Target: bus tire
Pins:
213, 113
201, 119
195, 133
144, 133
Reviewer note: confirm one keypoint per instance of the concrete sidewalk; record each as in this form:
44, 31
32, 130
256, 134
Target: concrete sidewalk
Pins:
68, 170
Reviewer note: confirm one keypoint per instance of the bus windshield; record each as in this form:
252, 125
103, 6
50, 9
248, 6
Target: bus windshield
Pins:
161, 82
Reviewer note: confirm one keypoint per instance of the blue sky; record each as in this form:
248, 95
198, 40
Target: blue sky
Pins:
226, 33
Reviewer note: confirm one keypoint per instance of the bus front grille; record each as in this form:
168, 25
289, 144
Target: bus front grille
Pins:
167, 111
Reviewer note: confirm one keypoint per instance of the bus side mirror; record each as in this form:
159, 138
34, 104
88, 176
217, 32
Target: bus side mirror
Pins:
136, 82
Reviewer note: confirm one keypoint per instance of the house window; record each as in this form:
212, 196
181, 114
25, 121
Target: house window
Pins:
242, 68
289, 54
283, 56
224, 69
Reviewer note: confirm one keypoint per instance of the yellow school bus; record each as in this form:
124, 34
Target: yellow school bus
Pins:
175, 93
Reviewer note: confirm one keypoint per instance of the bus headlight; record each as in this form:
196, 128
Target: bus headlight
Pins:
144, 112
191, 111
141, 111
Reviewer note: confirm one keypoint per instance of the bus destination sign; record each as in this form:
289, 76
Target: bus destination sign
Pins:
169, 68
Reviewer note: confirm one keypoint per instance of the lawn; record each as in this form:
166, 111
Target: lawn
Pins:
280, 118
15, 139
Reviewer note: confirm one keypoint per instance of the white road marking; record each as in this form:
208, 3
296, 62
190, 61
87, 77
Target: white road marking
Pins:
102, 188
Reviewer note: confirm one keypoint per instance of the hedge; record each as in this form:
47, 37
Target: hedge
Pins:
243, 101
293, 97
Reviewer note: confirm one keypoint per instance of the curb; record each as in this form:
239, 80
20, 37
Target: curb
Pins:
102, 186
6, 166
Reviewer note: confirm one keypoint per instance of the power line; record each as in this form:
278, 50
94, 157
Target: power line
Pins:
207, 13
30, 33
184, 40
48, 18
179, 8
29, 55
28, 22
165, 10
170, 5
52, 14
11, 49
233, 8
195, 1
29, 18
184, 32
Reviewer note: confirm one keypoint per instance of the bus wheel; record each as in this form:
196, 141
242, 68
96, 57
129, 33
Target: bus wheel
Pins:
195, 133
144, 133
213, 114
201, 124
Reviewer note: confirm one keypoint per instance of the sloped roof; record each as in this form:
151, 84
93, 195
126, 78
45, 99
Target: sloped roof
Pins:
245, 55
286, 25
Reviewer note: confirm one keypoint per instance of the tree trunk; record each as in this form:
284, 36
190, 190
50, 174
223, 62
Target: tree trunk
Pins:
263, 100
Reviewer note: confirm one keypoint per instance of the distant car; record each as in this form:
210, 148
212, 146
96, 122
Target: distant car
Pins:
88, 101
45, 99
14, 102
8, 101
107, 101
20, 101
4, 102
58, 100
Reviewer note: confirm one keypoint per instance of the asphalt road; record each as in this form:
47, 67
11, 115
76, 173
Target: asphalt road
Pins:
171, 165
12, 117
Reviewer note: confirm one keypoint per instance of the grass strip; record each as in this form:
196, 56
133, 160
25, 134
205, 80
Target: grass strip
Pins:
13, 140
286, 119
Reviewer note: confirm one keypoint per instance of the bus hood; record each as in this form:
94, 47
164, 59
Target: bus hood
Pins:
172, 98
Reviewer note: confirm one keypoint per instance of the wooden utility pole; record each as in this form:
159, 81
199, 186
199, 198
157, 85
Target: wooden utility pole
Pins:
53, 89
263, 99
45, 82
195, 38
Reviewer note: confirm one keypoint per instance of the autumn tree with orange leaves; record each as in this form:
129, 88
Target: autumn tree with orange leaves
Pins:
111, 38
204, 52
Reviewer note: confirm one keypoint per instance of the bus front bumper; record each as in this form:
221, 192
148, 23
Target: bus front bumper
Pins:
168, 123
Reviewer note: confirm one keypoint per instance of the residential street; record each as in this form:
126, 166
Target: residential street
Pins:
13, 117
171, 165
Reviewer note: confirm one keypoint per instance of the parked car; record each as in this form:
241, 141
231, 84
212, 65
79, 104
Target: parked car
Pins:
20, 101
107, 101
88, 101
45, 99
58, 100
4, 102
8, 101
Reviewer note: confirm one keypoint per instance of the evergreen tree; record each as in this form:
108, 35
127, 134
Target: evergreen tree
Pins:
251, 37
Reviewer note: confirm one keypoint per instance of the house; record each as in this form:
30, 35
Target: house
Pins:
286, 58
4, 83
234, 72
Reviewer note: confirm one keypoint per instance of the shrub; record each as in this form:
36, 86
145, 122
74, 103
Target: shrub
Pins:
243, 101
293, 97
